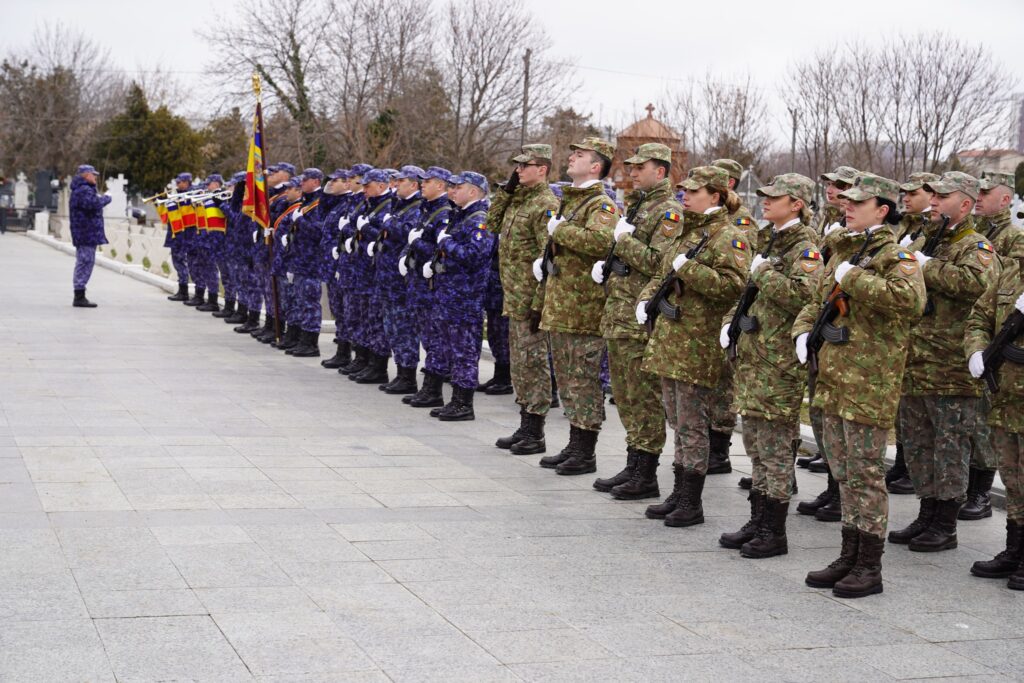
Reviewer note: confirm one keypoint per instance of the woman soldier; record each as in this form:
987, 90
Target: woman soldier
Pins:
769, 382
708, 267
860, 367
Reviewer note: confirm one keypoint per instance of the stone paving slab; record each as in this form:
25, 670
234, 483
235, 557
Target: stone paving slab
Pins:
180, 503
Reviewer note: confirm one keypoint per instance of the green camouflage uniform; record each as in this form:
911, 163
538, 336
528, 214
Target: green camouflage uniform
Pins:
657, 216
1006, 418
858, 383
520, 220
941, 401
573, 302
679, 350
769, 381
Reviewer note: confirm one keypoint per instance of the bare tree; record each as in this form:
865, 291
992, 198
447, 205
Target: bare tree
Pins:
810, 89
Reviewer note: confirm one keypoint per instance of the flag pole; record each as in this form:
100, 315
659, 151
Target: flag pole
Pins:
269, 240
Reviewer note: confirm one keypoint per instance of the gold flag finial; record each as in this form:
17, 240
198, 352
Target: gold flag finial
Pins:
256, 84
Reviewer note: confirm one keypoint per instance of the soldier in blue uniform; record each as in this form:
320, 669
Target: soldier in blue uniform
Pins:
335, 205
459, 269
303, 241
497, 329
86, 209
279, 264
278, 176
239, 249
212, 240
178, 243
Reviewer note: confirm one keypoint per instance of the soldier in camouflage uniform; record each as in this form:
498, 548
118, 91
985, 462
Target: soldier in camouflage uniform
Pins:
991, 219
573, 303
769, 382
651, 227
723, 419
1006, 419
706, 286
940, 404
519, 218
859, 380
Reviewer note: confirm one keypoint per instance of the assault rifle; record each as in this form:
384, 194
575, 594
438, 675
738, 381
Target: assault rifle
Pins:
611, 263
547, 263
657, 304
1001, 348
929, 250
741, 322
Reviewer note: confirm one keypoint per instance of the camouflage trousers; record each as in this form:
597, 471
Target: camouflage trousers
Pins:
722, 417
85, 260
856, 455
983, 455
308, 311
936, 433
577, 360
771, 445
531, 374
817, 419
637, 396
688, 408
179, 259
428, 329
336, 302
1010, 449
497, 335
464, 340
351, 313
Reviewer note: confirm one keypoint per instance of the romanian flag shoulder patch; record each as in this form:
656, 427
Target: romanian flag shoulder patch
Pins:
739, 244
549, 214
984, 246
610, 208
906, 256
811, 254
743, 221
481, 226
672, 216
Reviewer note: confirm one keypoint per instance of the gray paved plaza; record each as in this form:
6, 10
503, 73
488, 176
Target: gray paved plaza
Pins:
178, 502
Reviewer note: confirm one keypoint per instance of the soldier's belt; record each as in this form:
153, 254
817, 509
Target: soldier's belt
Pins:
620, 267
749, 324
668, 310
835, 335
1014, 354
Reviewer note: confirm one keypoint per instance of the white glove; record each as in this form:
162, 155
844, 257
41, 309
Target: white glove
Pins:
443, 235
267, 232
1019, 304
723, 338
641, 312
369, 249
334, 253
841, 270
921, 258
679, 261
553, 223
428, 272
415, 234
832, 228
976, 365
801, 348
361, 221
337, 276
597, 272
348, 246
403, 266
906, 241
622, 228
342, 222
255, 236
756, 263
284, 240
290, 276
386, 218
538, 271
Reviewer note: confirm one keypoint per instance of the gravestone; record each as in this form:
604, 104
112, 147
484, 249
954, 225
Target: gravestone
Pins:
21, 192
118, 206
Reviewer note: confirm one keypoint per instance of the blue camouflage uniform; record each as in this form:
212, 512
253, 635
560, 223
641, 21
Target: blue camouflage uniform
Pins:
364, 225
345, 274
239, 245
86, 217
494, 302
180, 243
334, 208
216, 245
303, 258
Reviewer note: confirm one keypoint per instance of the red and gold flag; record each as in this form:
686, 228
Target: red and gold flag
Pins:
254, 202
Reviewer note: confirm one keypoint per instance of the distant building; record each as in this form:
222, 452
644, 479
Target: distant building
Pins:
646, 130
1002, 160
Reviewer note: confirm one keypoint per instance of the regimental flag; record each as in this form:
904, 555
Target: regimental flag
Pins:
254, 203
215, 219
161, 211
201, 216
174, 218
188, 213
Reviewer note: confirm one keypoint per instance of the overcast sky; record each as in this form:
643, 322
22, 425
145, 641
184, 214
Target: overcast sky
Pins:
628, 53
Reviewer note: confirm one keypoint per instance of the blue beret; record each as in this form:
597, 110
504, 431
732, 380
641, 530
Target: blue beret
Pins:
360, 169
287, 168
183, 178
214, 178
86, 168
439, 173
375, 175
313, 174
414, 172
474, 178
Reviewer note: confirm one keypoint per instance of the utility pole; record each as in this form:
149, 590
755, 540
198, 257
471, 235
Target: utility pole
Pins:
526, 94
792, 142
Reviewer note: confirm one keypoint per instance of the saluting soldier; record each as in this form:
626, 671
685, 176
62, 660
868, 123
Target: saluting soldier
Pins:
770, 384
652, 225
710, 264
858, 381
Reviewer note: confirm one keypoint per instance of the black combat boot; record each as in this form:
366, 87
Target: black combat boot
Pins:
342, 355
80, 301
250, 324
770, 538
865, 578
925, 512
807, 460
662, 509
690, 510
211, 303
736, 539
718, 455
181, 294
198, 297
360, 358
309, 347
827, 577
290, 339
809, 507
941, 533
571, 449
227, 310
606, 485
265, 334
555, 403
506, 442
583, 461
429, 396
818, 466
376, 371
897, 477
460, 409
978, 504
533, 442
746, 483
404, 382
1006, 562
644, 481
1016, 580
501, 383
832, 511
238, 316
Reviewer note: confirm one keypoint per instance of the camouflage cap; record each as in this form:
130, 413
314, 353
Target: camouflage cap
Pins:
732, 167
651, 150
993, 179
955, 181
531, 152
842, 174
410, 172
375, 175
602, 147
703, 176
792, 184
360, 169
286, 167
917, 180
869, 185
